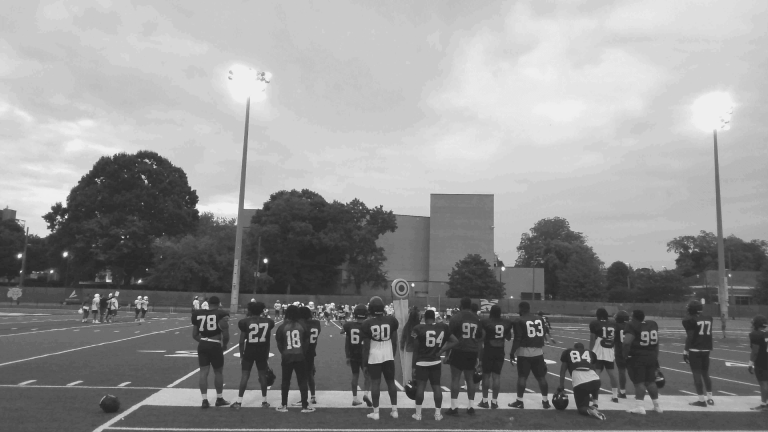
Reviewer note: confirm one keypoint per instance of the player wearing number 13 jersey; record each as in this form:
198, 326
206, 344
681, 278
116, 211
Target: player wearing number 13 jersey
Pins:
255, 332
698, 344
528, 346
602, 338
210, 328
379, 349
641, 349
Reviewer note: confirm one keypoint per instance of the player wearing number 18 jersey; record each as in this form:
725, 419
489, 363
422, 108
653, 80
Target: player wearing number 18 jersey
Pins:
758, 358
698, 345
496, 330
602, 338
292, 338
353, 347
210, 328
430, 340
641, 349
255, 332
379, 349
528, 346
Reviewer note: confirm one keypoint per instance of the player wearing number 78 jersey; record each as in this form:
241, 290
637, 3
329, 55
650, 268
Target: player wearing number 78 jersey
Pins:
255, 332
210, 328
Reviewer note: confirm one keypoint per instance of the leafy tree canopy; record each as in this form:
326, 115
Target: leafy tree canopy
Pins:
696, 254
617, 275
11, 244
118, 209
580, 277
760, 292
473, 277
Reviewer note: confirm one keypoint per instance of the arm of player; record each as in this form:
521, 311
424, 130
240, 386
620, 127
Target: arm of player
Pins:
415, 350
628, 338
753, 357
688, 341
347, 350
243, 336
224, 326
280, 340
394, 344
563, 369
452, 342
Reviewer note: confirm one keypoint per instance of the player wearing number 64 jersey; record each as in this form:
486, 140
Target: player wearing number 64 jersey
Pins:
641, 349
255, 332
210, 328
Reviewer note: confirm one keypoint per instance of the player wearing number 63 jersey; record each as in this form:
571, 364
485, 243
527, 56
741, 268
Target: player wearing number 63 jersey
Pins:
210, 328
528, 346
698, 344
379, 349
641, 349
602, 338
292, 339
255, 332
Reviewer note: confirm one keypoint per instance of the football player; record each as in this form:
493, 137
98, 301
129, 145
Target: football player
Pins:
311, 306
547, 328
95, 308
496, 330
145, 306
86, 308
255, 332
698, 345
641, 351
621, 318
292, 339
586, 382
602, 337
758, 359
204, 304
195, 304
430, 341
353, 348
108, 317
137, 308
102, 309
465, 326
528, 353
313, 327
379, 350
210, 328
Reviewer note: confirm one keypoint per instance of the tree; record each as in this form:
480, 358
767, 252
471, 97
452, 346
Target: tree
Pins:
580, 278
696, 254
760, 291
11, 244
617, 276
119, 209
472, 277
550, 244
657, 287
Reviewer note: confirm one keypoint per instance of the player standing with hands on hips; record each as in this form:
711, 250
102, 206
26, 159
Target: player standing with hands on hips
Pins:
465, 326
210, 328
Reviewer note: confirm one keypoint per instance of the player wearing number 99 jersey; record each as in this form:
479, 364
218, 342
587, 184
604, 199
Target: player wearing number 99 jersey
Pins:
255, 332
528, 346
641, 350
210, 328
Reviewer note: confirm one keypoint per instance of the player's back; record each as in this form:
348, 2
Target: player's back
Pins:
313, 327
379, 330
465, 325
701, 326
354, 339
496, 331
760, 338
431, 337
208, 322
605, 331
258, 331
646, 338
292, 336
580, 364
618, 343
529, 330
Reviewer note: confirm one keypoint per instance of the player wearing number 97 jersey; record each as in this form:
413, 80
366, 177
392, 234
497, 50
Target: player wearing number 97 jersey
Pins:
465, 326
210, 328
528, 346
641, 349
255, 332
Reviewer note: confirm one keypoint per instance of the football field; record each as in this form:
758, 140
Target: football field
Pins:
54, 370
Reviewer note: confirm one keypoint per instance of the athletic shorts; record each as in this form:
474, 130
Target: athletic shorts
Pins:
428, 373
620, 362
699, 361
642, 369
210, 353
113, 312
585, 392
310, 361
251, 357
463, 360
526, 365
355, 365
603, 353
605, 364
761, 374
493, 360
376, 370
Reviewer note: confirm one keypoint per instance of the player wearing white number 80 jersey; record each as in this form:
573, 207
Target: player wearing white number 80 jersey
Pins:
379, 349
210, 328
641, 349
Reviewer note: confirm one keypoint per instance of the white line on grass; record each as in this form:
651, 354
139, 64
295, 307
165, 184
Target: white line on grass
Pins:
72, 384
76, 387
725, 392
77, 349
181, 429
687, 392
51, 330
124, 384
173, 384
399, 386
714, 377
27, 382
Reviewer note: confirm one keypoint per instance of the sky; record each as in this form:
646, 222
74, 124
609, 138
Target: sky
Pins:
576, 109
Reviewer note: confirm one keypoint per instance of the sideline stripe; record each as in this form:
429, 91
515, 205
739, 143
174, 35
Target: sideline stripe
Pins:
124, 384
58, 329
713, 377
728, 393
690, 393
27, 382
128, 428
173, 384
88, 346
72, 384
74, 387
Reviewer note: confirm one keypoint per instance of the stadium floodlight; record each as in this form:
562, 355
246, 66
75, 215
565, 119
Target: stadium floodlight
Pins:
712, 112
19, 255
248, 82
65, 254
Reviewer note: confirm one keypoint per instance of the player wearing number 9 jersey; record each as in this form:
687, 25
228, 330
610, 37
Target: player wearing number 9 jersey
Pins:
255, 332
210, 328
496, 330
698, 344
528, 347
379, 349
292, 339
641, 350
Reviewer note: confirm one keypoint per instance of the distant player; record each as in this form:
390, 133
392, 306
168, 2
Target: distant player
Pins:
277, 309
137, 308
86, 308
379, 349
586, 382
114, 306
547, 328
528, 352
327, 313
108, 316
622, 317
353, 348
758, 359
195, 304
641, 350
204, 304
102, 309
292, 339
698, 345
145, 306
602, 337
95, 308
255, 332
496, 330
465, 325
311, 306
313, 327
210, 328
430, 341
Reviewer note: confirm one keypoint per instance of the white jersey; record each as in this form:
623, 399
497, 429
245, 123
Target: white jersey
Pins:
95, 304
144, 304
196, 304
113, 303
311, 306
204, 305
138, 303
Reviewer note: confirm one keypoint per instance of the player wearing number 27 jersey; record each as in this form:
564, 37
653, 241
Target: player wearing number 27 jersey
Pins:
255, 332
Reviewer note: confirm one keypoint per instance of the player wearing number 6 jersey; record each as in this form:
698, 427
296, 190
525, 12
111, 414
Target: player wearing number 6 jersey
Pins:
210, 328
465, 325
353, 347
379, 349
528, 346
313, 327
602, 337
255, 332
641, 349
698, 345
292, 339
496, 330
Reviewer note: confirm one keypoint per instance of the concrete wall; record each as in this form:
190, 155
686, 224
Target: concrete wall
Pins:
459, 225
407, 249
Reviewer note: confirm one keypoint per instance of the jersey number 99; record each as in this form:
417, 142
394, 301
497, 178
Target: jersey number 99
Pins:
649, 338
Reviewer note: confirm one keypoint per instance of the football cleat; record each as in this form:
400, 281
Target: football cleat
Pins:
710, 402
393, 413
297, 404
483, 405
206, 404
698, 404
452, 411
416, 417
762, 407
622, 395
282, 408
494, 405
545, 404
471, 411
658, 409
236, 405
221, 402
615, 400
356, 403
373, 416
596, 414
265, 404
637, 410
308, 409
438, 416
517, 404
367, 401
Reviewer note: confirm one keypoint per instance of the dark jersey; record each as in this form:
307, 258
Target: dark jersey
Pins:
292, 339
605, 330
380, 328
760, 338
354, 340
529, 330
207, 321
431, 338
496, 331
701, 326
646, 338
619, 342
103, 303
258, 331
313, 326
465, 325
578, 360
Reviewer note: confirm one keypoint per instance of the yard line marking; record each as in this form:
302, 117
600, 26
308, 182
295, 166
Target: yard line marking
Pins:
529, 390
173, 384
124, 384
33, 329
51, 330
27, 382
178, 333
445, 388
399, 386
714, 377
117, 331
77, 387
73, 383
335, 324
134, 332
80, 348
150, 351
96, 331
690, 393
725, 392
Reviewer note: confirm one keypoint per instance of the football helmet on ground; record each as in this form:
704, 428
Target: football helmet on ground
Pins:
660, 380
270, 377
410, 390
109, 403
560, 401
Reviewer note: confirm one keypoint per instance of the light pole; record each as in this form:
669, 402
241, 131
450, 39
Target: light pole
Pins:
266, 262
713, 112
502, 269
629, 269
66, 273
248, 81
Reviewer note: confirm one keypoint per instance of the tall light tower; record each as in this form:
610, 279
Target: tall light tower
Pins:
710, 113
244, 82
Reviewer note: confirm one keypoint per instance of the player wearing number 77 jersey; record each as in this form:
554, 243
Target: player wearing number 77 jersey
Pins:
641, 349
255, 332
698, 345
210, 328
